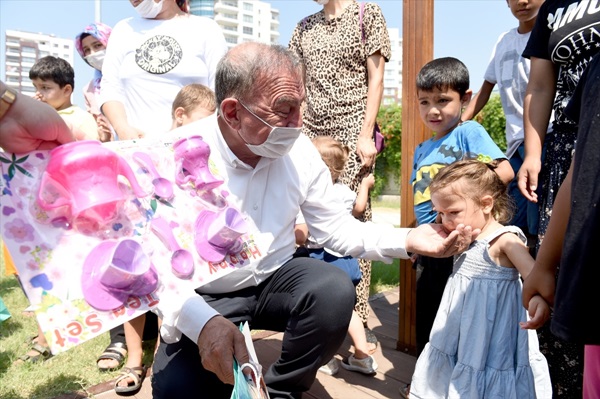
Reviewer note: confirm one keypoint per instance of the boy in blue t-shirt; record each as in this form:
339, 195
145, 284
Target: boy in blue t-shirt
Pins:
443, 92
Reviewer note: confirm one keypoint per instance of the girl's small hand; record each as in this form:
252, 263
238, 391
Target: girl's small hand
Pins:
539, 313
368, 181
540, 281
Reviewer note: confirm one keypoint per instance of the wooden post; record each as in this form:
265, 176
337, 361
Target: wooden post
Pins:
417, 50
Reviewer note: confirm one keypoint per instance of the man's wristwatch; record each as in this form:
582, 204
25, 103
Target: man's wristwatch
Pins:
6, 100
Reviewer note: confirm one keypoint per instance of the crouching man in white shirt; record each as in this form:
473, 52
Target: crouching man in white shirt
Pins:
272, 172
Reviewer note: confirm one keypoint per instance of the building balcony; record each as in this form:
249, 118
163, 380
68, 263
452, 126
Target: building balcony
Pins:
230, 28
13, 85
230, 36
223, 20
226, 6
27, 92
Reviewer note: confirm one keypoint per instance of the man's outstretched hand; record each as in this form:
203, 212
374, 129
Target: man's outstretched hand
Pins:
432, 240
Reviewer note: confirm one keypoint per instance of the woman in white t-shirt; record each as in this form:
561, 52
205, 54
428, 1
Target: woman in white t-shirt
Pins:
150, 57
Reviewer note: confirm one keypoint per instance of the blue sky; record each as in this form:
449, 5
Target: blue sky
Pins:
465, 29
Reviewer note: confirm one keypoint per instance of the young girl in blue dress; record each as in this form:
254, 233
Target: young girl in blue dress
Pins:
477, 348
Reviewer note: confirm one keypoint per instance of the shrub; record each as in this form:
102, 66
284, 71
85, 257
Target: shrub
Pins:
388, 162
492, 119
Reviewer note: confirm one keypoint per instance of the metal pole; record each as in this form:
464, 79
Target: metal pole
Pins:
97, 12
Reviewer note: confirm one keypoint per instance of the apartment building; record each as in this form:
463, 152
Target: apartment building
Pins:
241, 20
23, 49
392, 78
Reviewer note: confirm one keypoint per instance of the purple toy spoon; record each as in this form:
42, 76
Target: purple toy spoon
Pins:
182, 261
163, 188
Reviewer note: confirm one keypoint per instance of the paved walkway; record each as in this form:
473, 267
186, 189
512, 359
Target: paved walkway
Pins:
395, 368
386, 215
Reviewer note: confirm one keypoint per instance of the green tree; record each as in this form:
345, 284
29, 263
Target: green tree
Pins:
388, 162
492, 119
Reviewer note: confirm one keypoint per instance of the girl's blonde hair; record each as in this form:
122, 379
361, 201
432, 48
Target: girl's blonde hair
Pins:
480, 179
334, 154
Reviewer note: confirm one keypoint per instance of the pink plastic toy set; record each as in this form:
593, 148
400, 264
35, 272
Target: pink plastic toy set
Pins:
99, 232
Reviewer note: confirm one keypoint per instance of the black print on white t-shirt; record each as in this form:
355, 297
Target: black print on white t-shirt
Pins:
159, 54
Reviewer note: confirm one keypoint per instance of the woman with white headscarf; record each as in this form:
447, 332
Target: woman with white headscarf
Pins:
91, 46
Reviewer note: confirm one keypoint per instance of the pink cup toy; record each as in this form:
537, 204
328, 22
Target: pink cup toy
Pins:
83, 176
191, 159
113, 271
218, 233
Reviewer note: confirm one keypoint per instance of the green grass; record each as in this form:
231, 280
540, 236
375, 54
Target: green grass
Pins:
384, 277
70, 371
67, 372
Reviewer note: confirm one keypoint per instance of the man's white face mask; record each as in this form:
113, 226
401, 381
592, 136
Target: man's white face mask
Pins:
278, 143
149, 9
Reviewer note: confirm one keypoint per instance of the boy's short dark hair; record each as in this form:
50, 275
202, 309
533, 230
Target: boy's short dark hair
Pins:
55, 69
444, 73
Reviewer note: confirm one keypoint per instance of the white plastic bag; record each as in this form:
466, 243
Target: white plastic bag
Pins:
249, 385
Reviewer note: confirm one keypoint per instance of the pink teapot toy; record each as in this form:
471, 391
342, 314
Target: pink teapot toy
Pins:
191, 159
83, 177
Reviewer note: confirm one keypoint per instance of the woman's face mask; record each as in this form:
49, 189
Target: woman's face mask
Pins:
96, 59
278, 143
322, 2
149, 9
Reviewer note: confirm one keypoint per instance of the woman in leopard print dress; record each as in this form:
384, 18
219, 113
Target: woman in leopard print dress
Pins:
344, 48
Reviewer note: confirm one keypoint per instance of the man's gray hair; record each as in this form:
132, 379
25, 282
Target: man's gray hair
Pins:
246, 63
